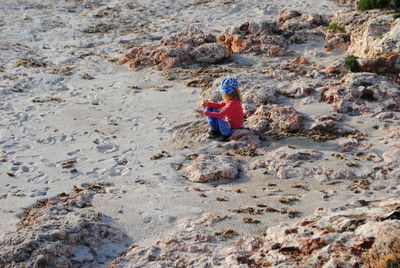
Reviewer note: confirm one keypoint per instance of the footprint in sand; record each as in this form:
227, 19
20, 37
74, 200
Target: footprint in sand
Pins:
40, 192
107, 148
48, 140
41, 177
73, 152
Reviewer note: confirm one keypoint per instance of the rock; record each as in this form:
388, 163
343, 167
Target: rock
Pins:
300, 88
285, 162
378, 36
348, 2
299, 61
382, 64
336, 39
292, 20
207, 168
327, 125
342, 237
252, 37
386, 246
285, 119
184, 48
373, 33
330, 237
56, 232
286, 14
362, 93
210, 53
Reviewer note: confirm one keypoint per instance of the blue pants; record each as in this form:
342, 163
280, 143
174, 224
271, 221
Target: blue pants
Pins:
219, 125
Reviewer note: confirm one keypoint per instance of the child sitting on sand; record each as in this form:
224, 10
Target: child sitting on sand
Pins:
232, 110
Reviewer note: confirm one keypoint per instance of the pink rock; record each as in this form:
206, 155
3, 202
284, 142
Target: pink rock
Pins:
382, 64
361, 93
187, 47
286, 119
252, 37
207, 168
286, 14
299, 61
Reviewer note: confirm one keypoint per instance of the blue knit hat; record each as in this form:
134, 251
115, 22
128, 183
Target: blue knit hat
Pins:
228, 85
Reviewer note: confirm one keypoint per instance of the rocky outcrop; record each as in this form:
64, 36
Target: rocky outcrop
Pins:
207, 168
252, 37
391, 156
381, 64
327, 125
293, 20
285, 119
60, 232
272, 38
342, 237
188, 47
375, 38
286, 163
189, 248
378, 36
300, 88
349, 236
362, 93
276, 120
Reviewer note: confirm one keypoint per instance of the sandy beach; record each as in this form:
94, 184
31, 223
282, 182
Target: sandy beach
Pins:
98, 147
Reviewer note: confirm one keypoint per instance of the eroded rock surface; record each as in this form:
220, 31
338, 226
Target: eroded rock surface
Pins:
62, 232
375, 38
349, 236
362, 93
187, 47
207, 168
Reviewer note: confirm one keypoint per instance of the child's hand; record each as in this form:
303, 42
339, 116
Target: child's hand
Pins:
204, 104
200, 112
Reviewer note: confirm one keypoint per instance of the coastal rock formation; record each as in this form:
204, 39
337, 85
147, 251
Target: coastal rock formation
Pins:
207, 168
328, 125
285, 119
348, 236
191, 247
300, 88
375, 38
286, 163
362, 93
272, 38
344, 237
381, 64
391, 156
275, 119
187, 47
379, 36
293, 20
60, 232
252, 37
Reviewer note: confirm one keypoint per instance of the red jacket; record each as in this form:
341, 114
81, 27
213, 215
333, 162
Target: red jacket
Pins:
233, 112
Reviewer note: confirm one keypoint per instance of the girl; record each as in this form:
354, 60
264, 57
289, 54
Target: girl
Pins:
232, 110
